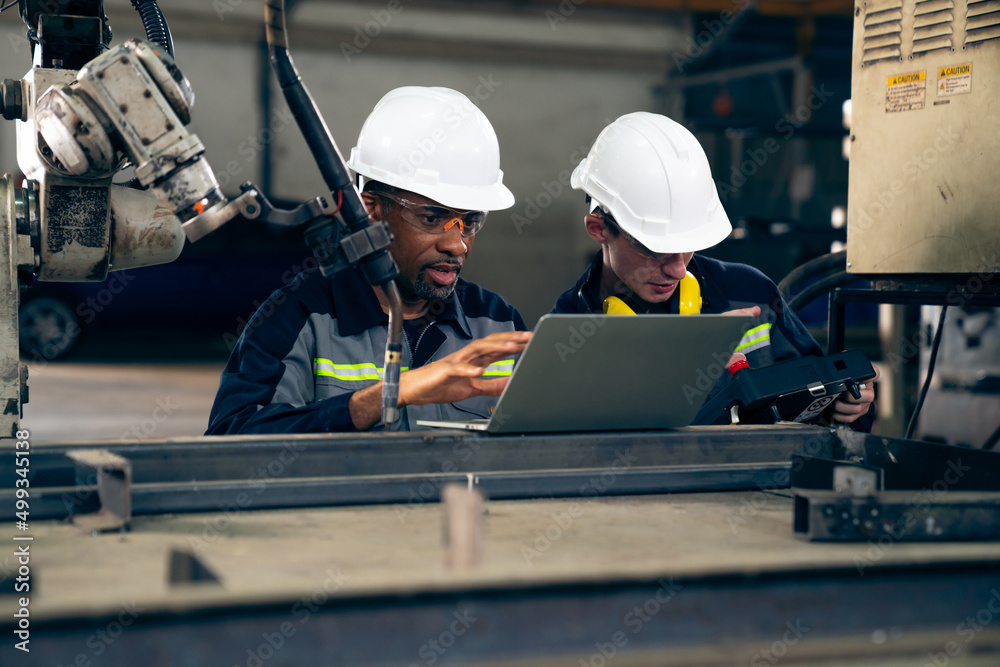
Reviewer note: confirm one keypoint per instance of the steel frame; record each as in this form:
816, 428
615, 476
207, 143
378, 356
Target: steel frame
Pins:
207, 474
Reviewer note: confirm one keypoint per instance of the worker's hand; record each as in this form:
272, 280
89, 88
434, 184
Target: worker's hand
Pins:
847, 408
458, 376
737, 356
752, 310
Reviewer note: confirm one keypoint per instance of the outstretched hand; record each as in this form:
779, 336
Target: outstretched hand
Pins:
453, 378
459, 375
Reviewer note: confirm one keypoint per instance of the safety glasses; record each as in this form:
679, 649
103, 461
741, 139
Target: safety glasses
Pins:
633, 244
434, 219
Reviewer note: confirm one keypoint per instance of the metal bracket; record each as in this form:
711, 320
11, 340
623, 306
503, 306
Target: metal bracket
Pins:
186, 568
897, 516
899, 490
854, 481
114, 490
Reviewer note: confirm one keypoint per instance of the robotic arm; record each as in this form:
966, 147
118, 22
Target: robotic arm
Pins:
85, 111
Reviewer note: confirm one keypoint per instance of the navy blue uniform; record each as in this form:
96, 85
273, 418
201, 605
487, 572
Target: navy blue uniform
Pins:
776, 334
316, 341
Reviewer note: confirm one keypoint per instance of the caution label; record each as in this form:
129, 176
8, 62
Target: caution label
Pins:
954, 80
905, 92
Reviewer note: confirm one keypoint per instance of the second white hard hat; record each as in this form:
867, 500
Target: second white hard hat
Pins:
437, 143
653, 176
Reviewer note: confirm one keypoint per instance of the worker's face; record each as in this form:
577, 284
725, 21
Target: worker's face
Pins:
651, 277
428, 263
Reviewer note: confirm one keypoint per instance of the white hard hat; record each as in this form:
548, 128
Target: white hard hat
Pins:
437, 143
652, 175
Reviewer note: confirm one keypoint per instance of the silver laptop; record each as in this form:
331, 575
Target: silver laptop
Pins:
610, 373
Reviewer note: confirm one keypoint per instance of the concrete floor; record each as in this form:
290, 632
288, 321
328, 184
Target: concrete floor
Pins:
120, 402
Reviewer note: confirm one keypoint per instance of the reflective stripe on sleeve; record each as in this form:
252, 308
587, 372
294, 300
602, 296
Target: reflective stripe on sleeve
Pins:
755, 339
504, 367
349, 372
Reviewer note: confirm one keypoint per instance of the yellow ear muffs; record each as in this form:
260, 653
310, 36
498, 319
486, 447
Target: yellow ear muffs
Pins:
615, 306
690, 295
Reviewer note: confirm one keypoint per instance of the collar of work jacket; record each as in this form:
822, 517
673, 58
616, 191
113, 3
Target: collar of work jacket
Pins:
588, 299
361, 310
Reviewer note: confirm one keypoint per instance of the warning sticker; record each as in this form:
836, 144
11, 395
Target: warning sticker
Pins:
954, 80
815, 408
905, 92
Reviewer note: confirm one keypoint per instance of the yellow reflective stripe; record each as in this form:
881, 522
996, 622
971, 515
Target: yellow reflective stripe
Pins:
505, 367
758, 336
349, 372
345, 366
751, 332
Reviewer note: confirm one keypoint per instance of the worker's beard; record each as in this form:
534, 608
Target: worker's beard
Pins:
421, 289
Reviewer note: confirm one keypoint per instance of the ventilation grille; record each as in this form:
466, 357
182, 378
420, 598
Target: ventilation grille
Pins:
882, 38
982, 21
933, 25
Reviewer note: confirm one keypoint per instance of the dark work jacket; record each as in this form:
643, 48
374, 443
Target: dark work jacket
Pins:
317, 340
775, 335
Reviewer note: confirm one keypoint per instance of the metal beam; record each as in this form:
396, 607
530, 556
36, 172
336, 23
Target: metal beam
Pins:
62, 502
205, 474
894, 615
206, 459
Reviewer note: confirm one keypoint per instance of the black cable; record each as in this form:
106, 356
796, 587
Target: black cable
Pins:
310, 121
930, 373
155, 24
809, 294
991, 441
821, 264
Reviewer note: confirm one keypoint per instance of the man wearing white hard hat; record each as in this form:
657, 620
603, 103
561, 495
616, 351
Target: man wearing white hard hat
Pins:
311, 358
653, 205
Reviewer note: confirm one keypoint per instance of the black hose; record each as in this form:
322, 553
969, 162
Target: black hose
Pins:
930, 373
379, 268
310, 121
821, 264
157, 30
991, 441
811, 293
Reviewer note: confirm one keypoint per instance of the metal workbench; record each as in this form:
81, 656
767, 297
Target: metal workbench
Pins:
653, 548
